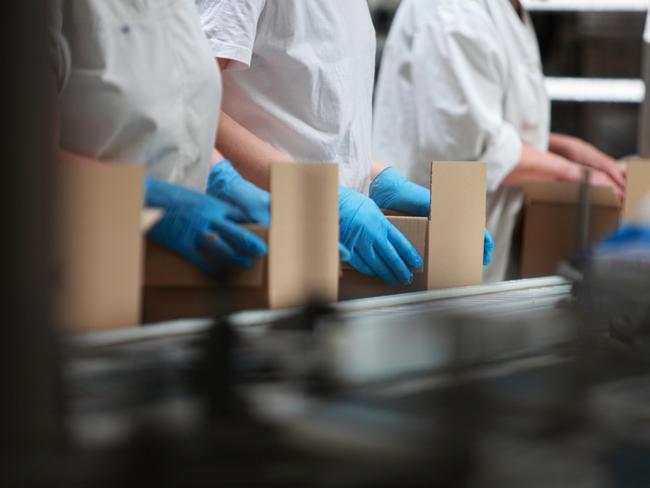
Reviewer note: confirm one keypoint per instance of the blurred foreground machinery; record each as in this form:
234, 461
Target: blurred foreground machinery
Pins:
501, 385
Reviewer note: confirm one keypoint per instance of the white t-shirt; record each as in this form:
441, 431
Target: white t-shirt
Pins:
139, 85
463, 81
302, 76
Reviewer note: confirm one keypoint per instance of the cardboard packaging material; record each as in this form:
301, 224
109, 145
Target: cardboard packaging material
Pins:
552, 218
302, 263
174, 289
638, 190
552, 223
450, 241
98, 245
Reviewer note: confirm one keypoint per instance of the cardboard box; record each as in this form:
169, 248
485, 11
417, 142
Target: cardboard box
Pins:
302, 263
174, 289
450, 240
638, 190
98, 245
552, 218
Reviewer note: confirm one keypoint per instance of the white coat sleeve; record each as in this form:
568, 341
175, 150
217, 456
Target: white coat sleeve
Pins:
231, 28
459, 77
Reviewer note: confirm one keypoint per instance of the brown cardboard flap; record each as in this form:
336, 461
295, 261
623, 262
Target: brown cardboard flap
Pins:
166, 269
99, 244
457, 224
303, 240
561, 192
638, 189
415, 230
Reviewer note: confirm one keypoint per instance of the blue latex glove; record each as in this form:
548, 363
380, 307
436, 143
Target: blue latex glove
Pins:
627, 236
391, 191
376, 246
200, 228
488, 248
226, 184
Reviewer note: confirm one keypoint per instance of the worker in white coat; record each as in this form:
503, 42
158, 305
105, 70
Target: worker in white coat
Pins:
463, 81
298, 84
137, 84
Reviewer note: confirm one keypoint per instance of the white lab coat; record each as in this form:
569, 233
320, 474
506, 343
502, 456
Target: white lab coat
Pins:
140, 85
301, 76
463, 81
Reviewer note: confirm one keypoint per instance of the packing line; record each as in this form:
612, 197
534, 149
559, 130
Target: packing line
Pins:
509, 297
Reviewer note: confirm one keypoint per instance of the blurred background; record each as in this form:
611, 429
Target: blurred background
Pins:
596, 41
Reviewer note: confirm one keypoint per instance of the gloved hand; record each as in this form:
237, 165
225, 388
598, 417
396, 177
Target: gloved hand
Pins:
488, 248
200, 228
226, 184
377, 247
253, 203
391, 191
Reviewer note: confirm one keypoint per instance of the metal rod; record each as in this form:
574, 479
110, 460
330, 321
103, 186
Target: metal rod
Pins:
584, 216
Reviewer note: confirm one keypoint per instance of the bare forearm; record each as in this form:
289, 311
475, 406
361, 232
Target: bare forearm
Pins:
536, 165
248, 153
541, 165
562, 145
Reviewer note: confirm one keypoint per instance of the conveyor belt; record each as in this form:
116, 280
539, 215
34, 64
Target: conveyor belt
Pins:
493, 300
512, 405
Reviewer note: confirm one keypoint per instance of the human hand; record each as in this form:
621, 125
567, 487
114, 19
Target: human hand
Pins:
201, 228
391, 191
226, 184
377, 248
598, 178
586, 154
